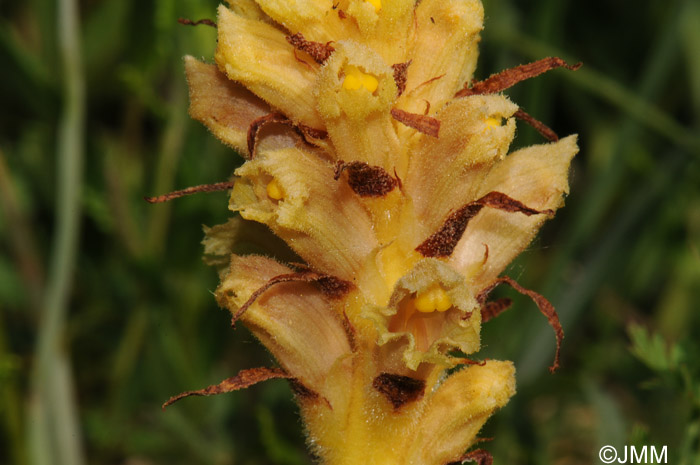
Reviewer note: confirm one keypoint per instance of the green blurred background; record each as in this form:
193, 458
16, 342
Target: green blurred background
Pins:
106, 308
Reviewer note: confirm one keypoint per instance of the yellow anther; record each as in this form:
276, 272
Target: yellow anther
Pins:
442, 300
369, 82
377, 4
354, 79
432, 299
492, 122
274, 190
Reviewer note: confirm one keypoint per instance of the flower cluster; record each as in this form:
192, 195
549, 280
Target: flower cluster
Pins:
385, 169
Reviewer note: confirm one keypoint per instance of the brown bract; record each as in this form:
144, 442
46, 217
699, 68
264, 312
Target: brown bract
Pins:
242, 380
331, 286
366, 180
399, 389
318, 51
509, 77
422, 123
543, 304
400, 71
443, 242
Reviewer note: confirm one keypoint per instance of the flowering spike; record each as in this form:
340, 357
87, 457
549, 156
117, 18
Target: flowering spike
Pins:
367, 328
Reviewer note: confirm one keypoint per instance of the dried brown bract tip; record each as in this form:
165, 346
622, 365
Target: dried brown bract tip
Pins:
539, 126
316, 50
399, 389
443, 242
509, 77
400, 71
491, 310
480, 456
331, 286
542, 303
366, 180
242, 380
257, 125
422, 123
216, 187
189, 22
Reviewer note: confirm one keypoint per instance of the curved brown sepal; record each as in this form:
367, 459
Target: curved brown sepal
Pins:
480, 456
509, 77
399, 389
330, 286
544, 130
189, 22
316, 50
542, 303
421, 123
242, 380
491, 310
307, 132
366, 180
443, 242
400, 71
215, 187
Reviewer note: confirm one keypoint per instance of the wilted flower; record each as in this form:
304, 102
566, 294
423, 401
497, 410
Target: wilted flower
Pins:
385, 169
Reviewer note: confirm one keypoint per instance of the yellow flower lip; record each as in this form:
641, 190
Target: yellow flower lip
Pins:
433, 299
355, 79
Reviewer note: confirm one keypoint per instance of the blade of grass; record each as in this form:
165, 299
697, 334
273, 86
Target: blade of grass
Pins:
55, 436
23, 244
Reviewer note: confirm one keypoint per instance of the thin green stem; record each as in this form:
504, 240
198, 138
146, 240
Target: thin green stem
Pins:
55, 436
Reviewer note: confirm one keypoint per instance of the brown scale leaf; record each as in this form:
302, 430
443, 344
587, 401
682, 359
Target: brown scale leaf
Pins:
399, 389
216, 187
539, 126
330, 286
366, 180
307, 132
443, 242
302, 391
491, 310
400, 71
257, 124
422, 123
189, 22
542, 303
509, 77
310, 133
318, 51
242, 380
480, 456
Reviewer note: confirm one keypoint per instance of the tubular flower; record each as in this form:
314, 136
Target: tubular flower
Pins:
386, 170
